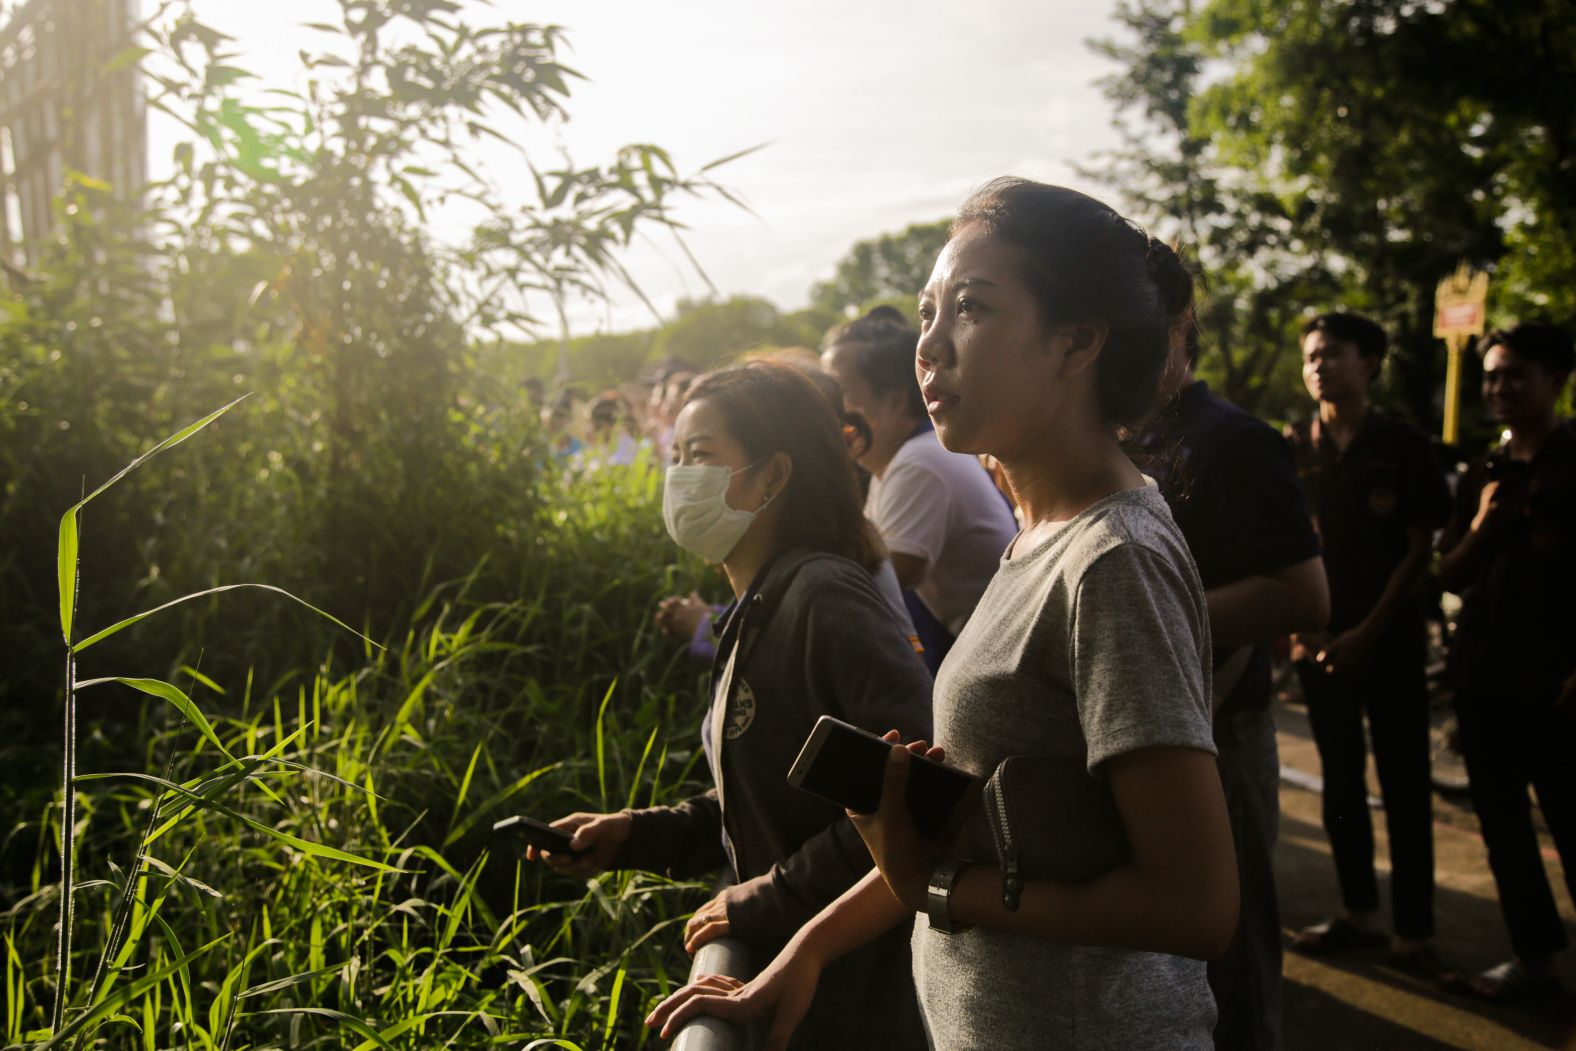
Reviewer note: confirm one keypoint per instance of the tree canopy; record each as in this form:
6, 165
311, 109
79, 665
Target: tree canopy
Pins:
1317, 155
891, 266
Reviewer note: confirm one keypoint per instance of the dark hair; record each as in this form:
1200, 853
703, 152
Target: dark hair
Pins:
1089, 263
855, 426
883, 345
773, 408
1536, 341
1365, 335
610, 407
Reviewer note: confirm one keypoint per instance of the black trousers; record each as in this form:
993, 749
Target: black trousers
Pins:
1246, 981
1393, 694
1511, 744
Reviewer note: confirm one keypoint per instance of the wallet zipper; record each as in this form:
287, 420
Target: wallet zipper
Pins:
1011, 877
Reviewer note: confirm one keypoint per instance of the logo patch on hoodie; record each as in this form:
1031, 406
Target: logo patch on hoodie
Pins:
741, 710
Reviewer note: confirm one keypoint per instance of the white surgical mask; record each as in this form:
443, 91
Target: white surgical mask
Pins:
696, 512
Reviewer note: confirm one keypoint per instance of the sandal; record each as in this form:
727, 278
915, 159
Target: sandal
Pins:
1425, 963
1513, 982
1335, 935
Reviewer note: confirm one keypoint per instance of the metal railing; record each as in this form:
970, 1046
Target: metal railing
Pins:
731, 957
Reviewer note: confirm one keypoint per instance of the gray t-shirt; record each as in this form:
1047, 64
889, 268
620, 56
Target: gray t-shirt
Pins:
1091, 644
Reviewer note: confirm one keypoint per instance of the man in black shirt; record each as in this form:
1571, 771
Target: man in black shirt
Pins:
1510, 552
1229, 481
1377, 496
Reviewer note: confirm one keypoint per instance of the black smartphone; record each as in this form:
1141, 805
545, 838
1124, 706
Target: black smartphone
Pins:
846, 765
538, 834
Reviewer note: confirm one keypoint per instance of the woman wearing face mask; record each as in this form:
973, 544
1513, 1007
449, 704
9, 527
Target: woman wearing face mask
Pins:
1045, 329
762, 482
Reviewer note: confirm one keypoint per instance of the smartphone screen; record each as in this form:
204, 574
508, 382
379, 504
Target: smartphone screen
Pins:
847, 765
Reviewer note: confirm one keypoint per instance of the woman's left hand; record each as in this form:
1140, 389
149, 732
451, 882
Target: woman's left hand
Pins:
904, 857
709, 923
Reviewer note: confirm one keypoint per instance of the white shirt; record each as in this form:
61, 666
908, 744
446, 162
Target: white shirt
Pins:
942, 507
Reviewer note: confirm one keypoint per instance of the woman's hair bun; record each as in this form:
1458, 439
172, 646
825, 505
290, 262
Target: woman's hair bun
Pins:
1171, 276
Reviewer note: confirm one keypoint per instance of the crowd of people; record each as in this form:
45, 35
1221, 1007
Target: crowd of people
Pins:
1111, 607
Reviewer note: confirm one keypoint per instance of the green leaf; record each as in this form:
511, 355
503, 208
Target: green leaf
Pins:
173, 694
145, 614
127, 58
126, 992
66, 567
360, 1028
305, 846
170, 442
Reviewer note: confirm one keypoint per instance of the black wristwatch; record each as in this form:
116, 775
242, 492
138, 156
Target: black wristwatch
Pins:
938, 895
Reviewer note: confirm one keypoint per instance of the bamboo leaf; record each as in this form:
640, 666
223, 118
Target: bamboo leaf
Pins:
730, 158
168, 443
66, 567
173, 694
145, 614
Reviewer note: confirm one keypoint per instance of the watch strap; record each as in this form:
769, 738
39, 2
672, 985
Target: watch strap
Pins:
938, 895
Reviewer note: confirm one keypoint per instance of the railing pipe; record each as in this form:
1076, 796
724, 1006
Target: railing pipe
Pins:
731, 957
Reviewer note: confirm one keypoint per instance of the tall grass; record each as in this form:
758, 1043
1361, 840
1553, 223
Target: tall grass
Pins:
311, 865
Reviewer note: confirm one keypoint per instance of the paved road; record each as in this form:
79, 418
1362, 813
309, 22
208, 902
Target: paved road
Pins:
1355, 1001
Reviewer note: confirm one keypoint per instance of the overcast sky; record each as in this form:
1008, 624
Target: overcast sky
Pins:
877, 113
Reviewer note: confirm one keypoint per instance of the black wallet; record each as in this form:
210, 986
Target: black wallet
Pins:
1051, 820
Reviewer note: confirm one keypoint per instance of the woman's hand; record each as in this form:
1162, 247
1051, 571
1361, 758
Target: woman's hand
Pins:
599, 836
709, 923
904, 857
678, 617
1348, 652
783, 990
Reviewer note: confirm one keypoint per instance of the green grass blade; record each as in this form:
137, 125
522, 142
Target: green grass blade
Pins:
66, 566
173, 694
465, 786
493, 800
197, 799
173, 440
612, 1007
278, 984
107, 1005
350, 1022
145, 614
601, 743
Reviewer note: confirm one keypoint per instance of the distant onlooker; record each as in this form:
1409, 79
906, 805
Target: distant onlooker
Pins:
1377, 495
558, 421
944, 523
1510, 552
665, 401
612, 434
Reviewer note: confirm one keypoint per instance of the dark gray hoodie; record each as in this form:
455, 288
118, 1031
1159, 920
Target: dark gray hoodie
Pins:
810, 637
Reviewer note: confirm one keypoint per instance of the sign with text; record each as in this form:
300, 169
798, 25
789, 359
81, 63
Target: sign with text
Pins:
1459, 304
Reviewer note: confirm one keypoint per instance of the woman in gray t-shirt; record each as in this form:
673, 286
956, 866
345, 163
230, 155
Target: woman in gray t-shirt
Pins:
1045, 329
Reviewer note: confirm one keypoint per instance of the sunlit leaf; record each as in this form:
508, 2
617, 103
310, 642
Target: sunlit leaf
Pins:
99, 636
66, 569
173, 694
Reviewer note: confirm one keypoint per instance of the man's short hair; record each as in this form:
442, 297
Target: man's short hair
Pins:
1365, 335
1547, 345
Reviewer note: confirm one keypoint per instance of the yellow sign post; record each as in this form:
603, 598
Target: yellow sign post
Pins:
1459, 311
